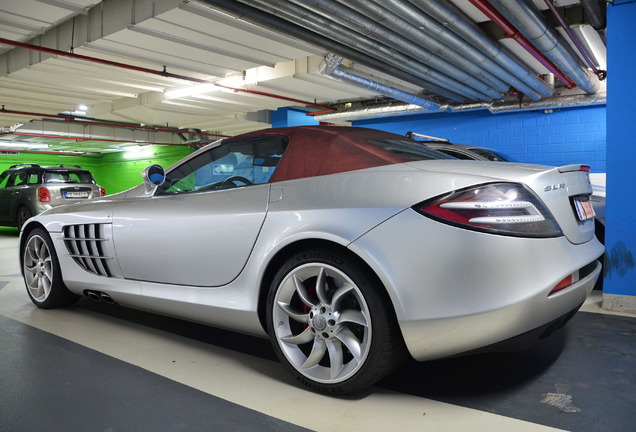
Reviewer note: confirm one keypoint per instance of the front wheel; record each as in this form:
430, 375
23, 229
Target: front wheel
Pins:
42, 274
330, 324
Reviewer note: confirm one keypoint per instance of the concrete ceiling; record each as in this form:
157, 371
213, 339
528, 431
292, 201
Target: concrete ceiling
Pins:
184, 37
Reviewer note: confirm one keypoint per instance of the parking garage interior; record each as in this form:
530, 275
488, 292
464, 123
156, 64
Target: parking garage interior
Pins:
114, 86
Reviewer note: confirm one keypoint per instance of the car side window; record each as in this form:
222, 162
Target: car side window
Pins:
21, 178
4, 178
34, 178
230, 165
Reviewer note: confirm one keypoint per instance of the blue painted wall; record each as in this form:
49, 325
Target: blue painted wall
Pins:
284, 117
565, 136
620, 235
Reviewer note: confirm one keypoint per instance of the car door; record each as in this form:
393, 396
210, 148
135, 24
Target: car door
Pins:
6, 198
200, 226
10, 195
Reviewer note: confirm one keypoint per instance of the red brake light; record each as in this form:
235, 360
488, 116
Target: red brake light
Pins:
496, 208
43, 195
584, 168
102, 191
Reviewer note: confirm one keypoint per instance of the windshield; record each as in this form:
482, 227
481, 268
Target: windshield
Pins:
68, 177
409, 149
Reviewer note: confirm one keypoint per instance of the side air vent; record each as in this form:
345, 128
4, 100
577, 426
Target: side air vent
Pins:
85, 243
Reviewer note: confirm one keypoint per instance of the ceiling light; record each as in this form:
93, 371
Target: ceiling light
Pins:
82, 108
23, 145
139, 153
191, 91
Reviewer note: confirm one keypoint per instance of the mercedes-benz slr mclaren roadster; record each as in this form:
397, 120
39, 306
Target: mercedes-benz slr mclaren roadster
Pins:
348, 247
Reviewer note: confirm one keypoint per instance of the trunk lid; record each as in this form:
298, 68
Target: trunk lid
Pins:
560, 188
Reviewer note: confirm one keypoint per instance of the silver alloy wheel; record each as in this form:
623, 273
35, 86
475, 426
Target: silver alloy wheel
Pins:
38, 268
326, 335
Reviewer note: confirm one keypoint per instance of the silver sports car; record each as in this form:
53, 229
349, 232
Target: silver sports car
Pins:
348, 247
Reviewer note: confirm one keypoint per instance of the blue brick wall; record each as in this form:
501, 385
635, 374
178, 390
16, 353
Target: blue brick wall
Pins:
565, 136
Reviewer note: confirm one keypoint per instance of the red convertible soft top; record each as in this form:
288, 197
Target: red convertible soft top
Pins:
322, 150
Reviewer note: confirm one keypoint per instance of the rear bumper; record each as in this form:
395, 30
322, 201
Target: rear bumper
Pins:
456, 290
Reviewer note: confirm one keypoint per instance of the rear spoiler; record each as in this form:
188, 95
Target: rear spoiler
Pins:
574, 167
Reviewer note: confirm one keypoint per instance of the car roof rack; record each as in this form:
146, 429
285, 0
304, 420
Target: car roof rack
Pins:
412, 135
70, 166
29, 165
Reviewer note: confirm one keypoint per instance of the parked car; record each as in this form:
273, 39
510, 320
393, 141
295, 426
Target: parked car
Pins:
29, 189
347, 247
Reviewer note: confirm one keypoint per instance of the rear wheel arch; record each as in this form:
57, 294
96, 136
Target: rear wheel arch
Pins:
303, 245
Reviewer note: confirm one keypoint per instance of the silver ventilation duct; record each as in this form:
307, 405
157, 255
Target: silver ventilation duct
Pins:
455, 20
524, 15
373, 21
452, 78
497, 107
330, 68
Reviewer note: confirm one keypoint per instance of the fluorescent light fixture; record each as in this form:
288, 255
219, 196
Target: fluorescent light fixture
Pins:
82, 107
139, 153
23, 145
191, 91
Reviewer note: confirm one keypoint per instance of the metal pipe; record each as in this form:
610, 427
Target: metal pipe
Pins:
278, 25
95, 139
455, 20
513, 33
530, 21
104, 123
385, 27
496, 107
453, 78
151, 71
596, 11
329, 68
600, 74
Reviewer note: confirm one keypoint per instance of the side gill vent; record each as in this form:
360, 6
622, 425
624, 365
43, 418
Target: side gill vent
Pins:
85, 243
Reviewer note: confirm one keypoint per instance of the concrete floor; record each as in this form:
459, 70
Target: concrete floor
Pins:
95, 367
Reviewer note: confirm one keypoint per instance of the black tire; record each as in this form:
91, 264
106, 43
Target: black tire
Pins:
21, 216
339, 339
42, 274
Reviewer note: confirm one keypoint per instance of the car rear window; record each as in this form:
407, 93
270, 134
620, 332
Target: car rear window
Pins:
409, 149
68, 177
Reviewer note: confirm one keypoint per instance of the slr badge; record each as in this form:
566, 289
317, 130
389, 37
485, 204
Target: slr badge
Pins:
554, 187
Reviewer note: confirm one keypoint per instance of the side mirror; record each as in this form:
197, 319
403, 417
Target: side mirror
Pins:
153, 176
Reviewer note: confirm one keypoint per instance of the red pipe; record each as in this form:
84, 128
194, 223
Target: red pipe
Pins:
101, 123
151, 71
511, 32
600, 73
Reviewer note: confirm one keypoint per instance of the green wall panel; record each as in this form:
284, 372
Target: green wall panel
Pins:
113, 172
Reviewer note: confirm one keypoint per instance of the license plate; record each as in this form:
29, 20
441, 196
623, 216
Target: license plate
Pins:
76, 194
584, 209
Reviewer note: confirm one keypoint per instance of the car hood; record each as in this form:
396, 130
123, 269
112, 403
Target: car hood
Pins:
556, 186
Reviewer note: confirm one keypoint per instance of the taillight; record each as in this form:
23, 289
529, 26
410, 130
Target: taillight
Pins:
102, 191
584, 168
43, 195
497, 208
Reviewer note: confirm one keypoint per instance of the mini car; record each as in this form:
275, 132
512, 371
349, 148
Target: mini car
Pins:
348, 247
29, 189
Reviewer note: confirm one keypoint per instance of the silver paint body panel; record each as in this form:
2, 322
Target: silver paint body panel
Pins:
452, 289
